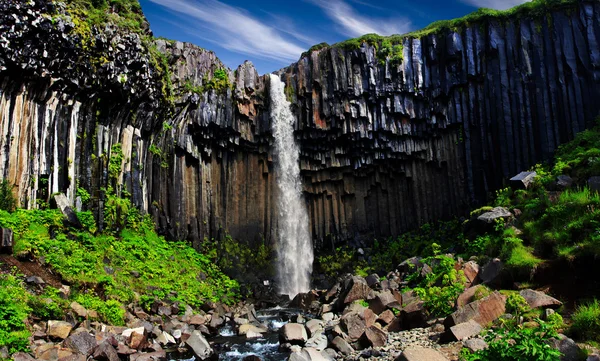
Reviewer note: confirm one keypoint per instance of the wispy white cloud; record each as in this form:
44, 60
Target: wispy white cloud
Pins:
351, 23
234, 29
495, 4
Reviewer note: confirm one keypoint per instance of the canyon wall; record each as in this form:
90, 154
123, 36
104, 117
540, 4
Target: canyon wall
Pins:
384, 147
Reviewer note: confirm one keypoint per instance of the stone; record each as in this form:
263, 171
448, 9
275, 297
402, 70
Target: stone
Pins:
592, 357
594, 183
413, 315
409, 265
197, 320
383, 301
385, 318
536, 299
493, 215
522, 180
164, 338
244, 329
293, 333
420, 354
354, 324
482, 311
216, 322
468, 295
313, 354
374, 337
471, 271
59, 329
105, 352
465, 330
355, 288
62, 202
22, 356
252, 358
36, 280
491, 272
125, 350
303, 301
79, 309
314, 326
318, 341
199, 346
563, 182
152, 356
372, 280
82, 342
138, 338
568, 348
342, 346
6, 241
475, 344
250, 335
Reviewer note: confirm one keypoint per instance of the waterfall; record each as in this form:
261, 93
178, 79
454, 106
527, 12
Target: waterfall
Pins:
294, 251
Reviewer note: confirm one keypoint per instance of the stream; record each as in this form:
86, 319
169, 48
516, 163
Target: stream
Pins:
231, 347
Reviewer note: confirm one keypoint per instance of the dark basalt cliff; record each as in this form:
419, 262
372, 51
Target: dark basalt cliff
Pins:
385, 147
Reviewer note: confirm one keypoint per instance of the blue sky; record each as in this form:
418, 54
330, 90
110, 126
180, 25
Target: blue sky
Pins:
272, 34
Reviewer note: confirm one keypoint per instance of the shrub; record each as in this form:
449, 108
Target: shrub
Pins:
586, 322
109, 311
49, 305
517, 344
14, 310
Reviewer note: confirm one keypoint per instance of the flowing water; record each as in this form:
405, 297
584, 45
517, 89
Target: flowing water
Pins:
294, 250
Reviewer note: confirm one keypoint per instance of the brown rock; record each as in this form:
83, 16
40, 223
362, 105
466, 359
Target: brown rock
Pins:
356, 289
536, 299
105, 352
468, 295
138, 340
293, 333
83, 343
197, 320
421, 354
124, 350
79, 309
413, 315
471, 271
22, 356
386, 318
355, 325
152, 356
383, 301
342, 346
465, 330
374, 337
369, 317
482, 311
59, 329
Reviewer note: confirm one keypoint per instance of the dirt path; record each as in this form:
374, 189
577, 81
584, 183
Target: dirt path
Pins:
27, 268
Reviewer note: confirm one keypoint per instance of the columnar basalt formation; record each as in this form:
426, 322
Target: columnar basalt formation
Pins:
384, 147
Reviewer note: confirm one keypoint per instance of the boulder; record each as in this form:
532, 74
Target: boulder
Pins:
35, 280
592, 357
564, 182
314, 326
568, 348
22, 356
355, 288
493, 215
251, 335
482, 311
62, 202
464, 331
199, 346
342, 346
355, 325
304, 301
385, 318
59, 329
468, 295
536, 299
471, 271
413, 315
421, 354
137, 339
105, 352
6, 241
373, 337
197, 320
522, 180
475, 344
152, 356
318, 341
244, 329
594, 183
82, 342
372, 280
383, 301
491, 272
79, 309
313, 354
293, 333
409, 265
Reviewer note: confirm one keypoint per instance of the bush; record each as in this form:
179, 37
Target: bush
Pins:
109, 311
14, 310
49, 305
586, 322
517, 344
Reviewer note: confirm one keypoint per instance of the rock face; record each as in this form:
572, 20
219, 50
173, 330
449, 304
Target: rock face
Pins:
384, 147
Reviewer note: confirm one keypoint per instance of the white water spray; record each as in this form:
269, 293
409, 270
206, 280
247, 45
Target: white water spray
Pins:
295, 251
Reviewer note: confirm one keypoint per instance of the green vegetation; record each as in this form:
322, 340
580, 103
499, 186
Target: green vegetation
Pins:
8, 202
219, 83
440, 288
14, 310
126, 14
517, 344
316, 47
586, 322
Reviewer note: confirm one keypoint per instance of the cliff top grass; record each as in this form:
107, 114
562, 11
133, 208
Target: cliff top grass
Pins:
126, 14
533, 9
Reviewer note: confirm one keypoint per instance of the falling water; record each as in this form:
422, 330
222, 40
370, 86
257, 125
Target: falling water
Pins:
294, 251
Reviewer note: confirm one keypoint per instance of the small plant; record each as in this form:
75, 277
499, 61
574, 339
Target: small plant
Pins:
586, 322
14, 310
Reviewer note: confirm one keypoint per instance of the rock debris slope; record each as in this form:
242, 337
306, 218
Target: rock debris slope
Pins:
384, 147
